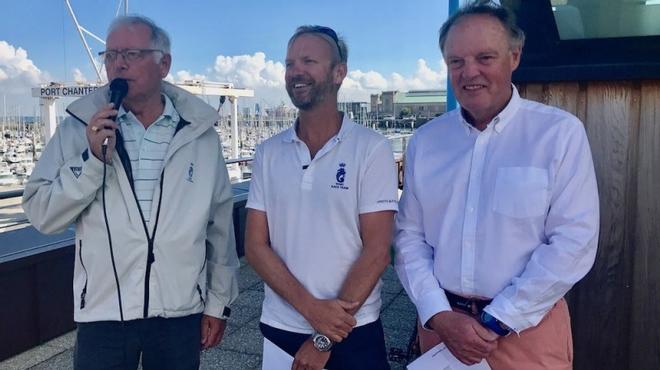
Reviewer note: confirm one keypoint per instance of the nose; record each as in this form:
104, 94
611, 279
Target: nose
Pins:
293, 69
470, 69
120, 63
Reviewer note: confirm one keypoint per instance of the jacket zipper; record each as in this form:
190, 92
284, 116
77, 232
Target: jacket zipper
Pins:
84, 291
199, 289
151, 258
201, 297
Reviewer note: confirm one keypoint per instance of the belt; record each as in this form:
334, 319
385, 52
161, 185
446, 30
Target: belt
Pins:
473, 306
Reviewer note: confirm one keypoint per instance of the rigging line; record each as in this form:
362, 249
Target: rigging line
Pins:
118, 7
64, 44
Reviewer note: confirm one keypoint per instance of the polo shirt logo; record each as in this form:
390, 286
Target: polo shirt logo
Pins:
76, 171
191, 171
340, 176
341, 173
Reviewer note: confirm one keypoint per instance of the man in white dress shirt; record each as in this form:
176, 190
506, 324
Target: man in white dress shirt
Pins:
499, 214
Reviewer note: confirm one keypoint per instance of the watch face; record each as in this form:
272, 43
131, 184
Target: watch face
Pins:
321, 342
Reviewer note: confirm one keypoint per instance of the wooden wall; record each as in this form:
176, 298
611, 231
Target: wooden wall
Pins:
616, 308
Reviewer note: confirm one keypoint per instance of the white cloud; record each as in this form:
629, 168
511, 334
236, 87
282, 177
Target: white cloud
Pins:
17, 72
424, 78
182, 76
359, 85
266, 78
78, 76
251, 71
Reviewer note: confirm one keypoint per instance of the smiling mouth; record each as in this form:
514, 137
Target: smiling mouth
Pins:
300, 85
473, 87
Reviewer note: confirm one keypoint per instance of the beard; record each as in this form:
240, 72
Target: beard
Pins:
318, 91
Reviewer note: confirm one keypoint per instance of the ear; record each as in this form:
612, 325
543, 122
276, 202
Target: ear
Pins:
339, 73
515, 58
165, 64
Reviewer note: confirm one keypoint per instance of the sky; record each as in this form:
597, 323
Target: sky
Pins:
392, 44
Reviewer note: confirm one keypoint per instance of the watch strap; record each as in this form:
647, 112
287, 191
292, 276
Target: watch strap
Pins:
494, 324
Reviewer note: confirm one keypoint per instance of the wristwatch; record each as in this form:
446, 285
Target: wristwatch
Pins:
321, 342
494, 324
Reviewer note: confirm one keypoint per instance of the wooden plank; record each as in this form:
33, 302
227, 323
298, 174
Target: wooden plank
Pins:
582, 102
600, 303
564, 95
645, 324
535, 92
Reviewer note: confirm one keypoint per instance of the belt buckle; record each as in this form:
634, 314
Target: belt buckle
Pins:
474, 307
469, 305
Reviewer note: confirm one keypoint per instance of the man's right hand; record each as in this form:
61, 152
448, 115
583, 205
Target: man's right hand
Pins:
101, 127
330, 317
465, 337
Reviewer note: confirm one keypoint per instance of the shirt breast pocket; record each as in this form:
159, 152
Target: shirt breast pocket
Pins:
521, 192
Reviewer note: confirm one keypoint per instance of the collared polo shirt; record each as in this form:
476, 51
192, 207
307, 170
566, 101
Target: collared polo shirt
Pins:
313, 208
146, 149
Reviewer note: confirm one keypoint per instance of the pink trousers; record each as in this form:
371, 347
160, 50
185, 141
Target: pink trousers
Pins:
549, 345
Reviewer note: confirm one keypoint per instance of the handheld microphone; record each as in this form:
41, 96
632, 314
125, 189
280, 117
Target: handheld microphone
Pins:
118, 91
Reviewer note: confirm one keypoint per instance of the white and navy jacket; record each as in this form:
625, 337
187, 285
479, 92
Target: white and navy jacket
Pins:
183, 261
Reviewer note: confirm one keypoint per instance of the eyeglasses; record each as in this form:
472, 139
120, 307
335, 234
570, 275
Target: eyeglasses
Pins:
330, 33
130, 55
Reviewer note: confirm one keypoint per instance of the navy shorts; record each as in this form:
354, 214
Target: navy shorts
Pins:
364, 348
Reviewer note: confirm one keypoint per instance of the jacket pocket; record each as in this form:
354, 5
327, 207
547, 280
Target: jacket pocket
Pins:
521, 192
83, 293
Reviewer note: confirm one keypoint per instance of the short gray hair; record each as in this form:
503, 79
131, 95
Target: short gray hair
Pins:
159, 38
489, 8
338, 45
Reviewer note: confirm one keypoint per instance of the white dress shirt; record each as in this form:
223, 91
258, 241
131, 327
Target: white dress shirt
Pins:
509, 213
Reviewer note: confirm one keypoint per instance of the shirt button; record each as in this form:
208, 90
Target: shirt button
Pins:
470, 209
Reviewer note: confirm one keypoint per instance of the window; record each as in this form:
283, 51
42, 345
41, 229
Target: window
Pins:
582, 40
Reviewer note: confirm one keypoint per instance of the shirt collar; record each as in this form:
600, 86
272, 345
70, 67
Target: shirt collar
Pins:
168, 112
346, 127
502, 119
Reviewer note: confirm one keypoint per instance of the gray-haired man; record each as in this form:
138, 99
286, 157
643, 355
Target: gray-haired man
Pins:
155, 254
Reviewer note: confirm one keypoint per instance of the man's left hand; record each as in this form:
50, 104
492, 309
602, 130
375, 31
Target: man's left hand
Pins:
310, 358
212, 331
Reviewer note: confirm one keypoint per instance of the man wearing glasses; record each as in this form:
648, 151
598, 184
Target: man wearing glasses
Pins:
151, 200
319, 224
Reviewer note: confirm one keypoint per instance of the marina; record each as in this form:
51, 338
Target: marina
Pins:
579, 56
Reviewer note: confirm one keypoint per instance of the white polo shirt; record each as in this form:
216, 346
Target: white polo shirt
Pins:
313, 213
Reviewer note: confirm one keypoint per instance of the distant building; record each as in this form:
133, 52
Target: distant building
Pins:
420, 103
357, 111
